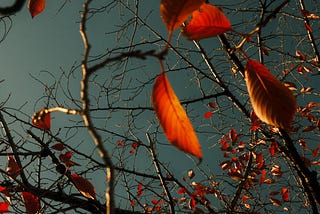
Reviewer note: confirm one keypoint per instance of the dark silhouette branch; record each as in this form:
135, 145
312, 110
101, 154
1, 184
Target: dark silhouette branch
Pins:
15, 7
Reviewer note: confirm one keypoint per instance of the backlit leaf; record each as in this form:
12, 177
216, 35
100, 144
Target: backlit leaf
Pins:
36, 7
175, 12
173, 118
42, 119
31, 202
4, 207
206, 22
83, 186
272, 102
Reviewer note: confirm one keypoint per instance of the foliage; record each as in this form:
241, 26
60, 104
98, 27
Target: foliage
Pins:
240, 92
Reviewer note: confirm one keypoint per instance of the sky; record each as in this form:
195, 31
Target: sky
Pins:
35, 45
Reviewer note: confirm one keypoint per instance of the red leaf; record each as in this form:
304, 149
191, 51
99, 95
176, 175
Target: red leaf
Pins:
120, 143
212, 105
206, 22
274, 148
315, 152
41, 119
83, 186
285, 194
58, 147
140, 190
31, 202
192, 204
173, 118
36, 7
12, 168
65, 157
155, 202
175, 12
272, 102
182, 191
233, 135
4, 207
260, 161
263, 176
208, 114
256, 123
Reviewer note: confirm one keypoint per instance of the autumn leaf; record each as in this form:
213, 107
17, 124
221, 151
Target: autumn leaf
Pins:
173, 118
12, 168
208, 21
83, 186
285, 194
31, 202
175, 12
41, 119
58, 147
272, 102
36, 7
66, 158
207, 115
4, 207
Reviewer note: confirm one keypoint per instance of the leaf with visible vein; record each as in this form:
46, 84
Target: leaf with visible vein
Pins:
173, 118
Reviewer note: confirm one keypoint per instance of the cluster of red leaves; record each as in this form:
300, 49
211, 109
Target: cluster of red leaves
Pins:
307, 113
236, 162
81, 184
134, 145
155, 203
198, 194
42, 119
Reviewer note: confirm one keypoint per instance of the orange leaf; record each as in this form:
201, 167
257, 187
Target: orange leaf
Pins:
13, 168
207, 22
175, 12
42, 119
173, 118
83, 186
31, 202
272, 102
36, 7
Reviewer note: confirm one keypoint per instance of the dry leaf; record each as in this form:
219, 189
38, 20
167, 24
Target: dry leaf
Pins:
207, 22
173, 118
272, 102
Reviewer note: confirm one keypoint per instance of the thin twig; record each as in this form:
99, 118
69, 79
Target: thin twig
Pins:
158, 170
